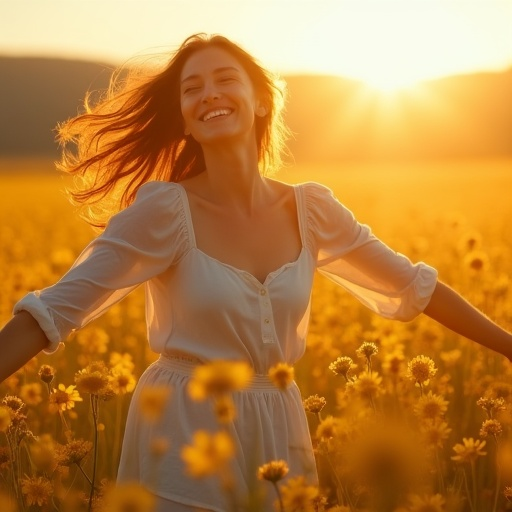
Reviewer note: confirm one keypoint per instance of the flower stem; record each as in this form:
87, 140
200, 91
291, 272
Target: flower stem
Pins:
440, 476
470, 501
117, 432
94, 407
84, 473
473, 478
279, 497
341, 491
498, 476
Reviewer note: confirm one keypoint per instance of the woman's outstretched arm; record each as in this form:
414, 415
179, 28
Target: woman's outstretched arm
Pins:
20, 340
448, 308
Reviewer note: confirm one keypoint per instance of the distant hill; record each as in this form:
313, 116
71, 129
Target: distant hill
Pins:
36, 94
332, 118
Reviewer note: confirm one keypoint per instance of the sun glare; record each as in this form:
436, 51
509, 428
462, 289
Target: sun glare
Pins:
389, 81
392, 45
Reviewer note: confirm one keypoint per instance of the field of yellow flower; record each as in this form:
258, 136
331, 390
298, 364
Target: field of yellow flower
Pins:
404, 417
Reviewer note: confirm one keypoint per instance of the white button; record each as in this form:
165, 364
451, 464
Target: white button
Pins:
263, 292
267, 321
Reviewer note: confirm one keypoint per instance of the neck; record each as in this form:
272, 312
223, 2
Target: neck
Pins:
233, 180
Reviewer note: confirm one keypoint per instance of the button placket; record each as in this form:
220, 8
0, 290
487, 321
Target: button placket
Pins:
266, 316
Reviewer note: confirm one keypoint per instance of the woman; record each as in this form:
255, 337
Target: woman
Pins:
227, 255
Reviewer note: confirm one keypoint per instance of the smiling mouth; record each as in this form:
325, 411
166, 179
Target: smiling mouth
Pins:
221, 112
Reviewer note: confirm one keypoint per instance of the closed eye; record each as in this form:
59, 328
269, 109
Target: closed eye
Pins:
190, 88
227, 79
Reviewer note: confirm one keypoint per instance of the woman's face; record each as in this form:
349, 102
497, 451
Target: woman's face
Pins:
218, 100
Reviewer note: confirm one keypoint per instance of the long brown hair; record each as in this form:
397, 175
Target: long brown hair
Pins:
135, 132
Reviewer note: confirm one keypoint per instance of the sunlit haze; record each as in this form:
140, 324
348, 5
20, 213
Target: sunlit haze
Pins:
385, 43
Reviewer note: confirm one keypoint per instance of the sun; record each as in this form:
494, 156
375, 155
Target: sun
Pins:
388, 45
389, 79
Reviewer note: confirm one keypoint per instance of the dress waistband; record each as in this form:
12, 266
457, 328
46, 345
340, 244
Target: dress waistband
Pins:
185, 365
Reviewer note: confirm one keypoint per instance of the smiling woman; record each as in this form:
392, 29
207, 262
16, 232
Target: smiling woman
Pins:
218, 98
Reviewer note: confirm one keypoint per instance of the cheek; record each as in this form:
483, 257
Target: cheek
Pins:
186, 106
183, 109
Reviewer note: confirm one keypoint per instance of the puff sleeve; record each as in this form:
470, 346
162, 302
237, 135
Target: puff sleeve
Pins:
349, 254
138, 243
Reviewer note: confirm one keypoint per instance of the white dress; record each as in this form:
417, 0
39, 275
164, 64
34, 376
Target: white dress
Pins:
209, 310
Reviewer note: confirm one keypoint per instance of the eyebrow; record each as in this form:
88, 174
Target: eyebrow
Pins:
216, 71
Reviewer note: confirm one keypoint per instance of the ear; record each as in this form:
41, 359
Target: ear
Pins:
186, 131
261, 110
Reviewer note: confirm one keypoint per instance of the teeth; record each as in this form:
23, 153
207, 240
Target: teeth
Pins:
216, 113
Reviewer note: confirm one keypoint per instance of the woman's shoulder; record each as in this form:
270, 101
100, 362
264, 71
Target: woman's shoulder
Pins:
314, 188
158, 188
156, 202
311, 188
316, 195
154, 220
158, 195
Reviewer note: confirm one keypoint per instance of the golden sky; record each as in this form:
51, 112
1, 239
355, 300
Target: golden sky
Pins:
385, 42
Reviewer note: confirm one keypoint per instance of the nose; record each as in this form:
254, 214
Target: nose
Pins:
210, 93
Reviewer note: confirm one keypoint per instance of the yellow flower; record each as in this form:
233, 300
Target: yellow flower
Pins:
31, 393
152, 401
367, 350
426, 503
121, 361
14, 403
281, 375
431, 406
393, 362
122, 380
368, 385
342, 366
421, 369
298, 496
73, 452
129, 497
476, 261
46, 373
384, 455
208, 454
273, 471
469, 451
224, 409
491, 405
435, 433
470, 241
5, 418
63, 398
43, 454
451, 357
93, 341
37, 490
491, 428
94, 379
327, 428
314, 404
219, 377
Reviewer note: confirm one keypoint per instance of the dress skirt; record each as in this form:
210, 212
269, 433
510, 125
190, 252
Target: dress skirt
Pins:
270, 424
